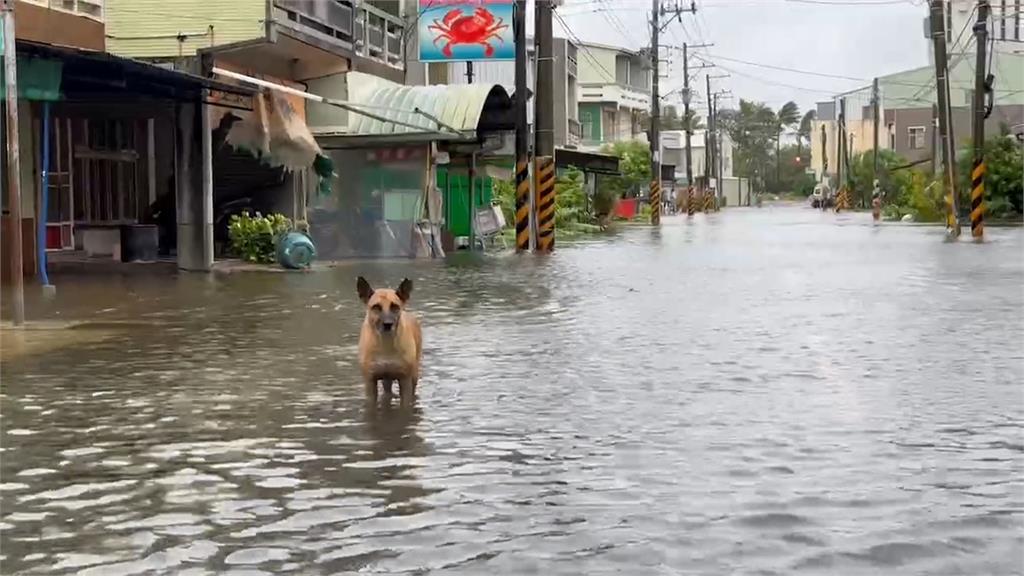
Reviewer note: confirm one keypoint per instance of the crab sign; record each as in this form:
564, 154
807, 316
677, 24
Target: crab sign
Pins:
458, 28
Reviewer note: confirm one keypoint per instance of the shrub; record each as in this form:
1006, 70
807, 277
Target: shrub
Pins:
925, 199
1004, 184
505, 194
569, 195
254, 238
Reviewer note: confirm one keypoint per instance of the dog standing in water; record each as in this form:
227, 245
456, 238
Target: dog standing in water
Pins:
390, 342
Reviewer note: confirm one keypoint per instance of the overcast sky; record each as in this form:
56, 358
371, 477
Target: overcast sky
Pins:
860, 39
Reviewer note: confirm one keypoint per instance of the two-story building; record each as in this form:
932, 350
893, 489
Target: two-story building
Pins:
614, 94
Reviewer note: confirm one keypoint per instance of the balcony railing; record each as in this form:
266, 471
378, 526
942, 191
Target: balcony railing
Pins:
353, 26
575, 135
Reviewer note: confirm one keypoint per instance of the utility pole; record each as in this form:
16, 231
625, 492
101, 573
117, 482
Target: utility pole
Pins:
935, 140
655, 133
840, 144
544, 127
687, 96
981, 88
936, 19
875, 120
544, 107
824, 153
708, 145
713, 137
522, 215
10, 55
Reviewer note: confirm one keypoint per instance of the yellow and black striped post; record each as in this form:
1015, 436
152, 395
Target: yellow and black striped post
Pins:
522, 205
691, 201
709, 200
842, 199
978, 199
545, 170
951, 218
655, 202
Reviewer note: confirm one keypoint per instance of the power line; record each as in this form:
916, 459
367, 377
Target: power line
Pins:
579, 43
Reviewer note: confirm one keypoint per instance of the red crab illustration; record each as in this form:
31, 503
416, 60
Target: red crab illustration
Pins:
458, 28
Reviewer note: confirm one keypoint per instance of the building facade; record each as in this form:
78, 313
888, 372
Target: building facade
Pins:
297, 44
907, 101
1005, 29
102, 140
614, 94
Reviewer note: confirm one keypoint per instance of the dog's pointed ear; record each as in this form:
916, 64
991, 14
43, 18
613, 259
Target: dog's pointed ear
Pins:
364, 289
405, 290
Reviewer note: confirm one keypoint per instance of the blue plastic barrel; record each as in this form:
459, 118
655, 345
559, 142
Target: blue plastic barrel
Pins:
295, 250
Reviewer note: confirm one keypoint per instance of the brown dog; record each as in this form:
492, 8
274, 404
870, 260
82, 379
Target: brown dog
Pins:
390, 342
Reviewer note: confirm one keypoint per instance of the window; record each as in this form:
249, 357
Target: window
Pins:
892, 136
916, 137
587, 123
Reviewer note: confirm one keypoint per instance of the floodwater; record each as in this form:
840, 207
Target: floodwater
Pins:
774, 391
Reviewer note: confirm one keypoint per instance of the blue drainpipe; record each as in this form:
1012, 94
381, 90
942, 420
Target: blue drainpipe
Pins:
41, 243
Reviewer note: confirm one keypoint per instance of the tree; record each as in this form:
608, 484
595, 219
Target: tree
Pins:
804, 131
634, 167
752, 127
693, 121
670, 119
893, 177
793, 177
787, 116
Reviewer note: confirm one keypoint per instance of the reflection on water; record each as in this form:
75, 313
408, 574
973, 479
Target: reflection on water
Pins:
765, 392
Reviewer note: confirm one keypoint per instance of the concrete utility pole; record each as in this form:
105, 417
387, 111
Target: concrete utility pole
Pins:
655, 133
708, 146
935, 140
824, 153
522, 215
936, 19
840, 144
981, 89
544, 128
875, 120
13, 162
713, 136
687, 96
544, 110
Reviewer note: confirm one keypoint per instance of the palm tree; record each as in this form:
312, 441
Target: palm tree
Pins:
787, 116
692, 122
804, 131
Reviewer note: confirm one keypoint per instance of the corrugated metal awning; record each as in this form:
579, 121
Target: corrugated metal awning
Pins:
447, 112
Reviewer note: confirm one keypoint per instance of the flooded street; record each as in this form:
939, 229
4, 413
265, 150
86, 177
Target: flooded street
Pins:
759, 392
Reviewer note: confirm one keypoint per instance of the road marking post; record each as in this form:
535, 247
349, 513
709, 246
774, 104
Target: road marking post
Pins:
522, 205
978, 199
655, 202
842, 200
545, 203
